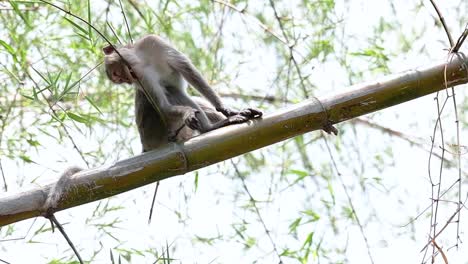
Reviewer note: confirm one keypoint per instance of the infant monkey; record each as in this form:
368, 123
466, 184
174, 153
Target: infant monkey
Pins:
154, 66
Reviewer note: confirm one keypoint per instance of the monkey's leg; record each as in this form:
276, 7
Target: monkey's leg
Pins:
208, 112
213, 115
151, 128
235, 119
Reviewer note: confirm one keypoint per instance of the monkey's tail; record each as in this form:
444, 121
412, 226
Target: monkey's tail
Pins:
55, 192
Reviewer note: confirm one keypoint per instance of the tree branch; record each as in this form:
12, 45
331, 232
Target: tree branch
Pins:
221, 144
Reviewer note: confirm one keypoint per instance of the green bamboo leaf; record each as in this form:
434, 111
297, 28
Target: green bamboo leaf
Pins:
67, 81
33, 143
76, 26
7, 47
77, 118
300, 173
26, 159
41, 75
293, 226
314, 216
196, 181
93, 104
308, 241
82, 36
90, 30
14, 5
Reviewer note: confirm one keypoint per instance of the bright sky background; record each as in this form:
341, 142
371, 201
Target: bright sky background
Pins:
210, 211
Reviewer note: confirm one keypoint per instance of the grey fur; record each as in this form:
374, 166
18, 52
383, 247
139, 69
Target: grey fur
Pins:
151, 128
56, 192
163, 71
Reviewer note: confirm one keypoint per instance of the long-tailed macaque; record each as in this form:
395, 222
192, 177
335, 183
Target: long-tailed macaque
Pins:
164, 72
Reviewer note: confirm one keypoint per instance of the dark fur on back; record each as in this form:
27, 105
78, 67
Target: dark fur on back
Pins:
151, 128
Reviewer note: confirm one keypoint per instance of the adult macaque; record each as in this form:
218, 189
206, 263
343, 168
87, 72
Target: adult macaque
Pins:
163, 72
154, 66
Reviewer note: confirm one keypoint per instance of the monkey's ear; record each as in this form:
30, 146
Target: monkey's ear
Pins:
108, 49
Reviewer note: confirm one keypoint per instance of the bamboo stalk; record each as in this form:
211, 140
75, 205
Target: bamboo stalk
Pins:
228, 142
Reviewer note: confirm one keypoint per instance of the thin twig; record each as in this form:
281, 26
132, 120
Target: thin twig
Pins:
442, 20
126, 22
460, 40
350, 201
217, 42
439, 249
458, 152
24, 236
449, 221
327, 125
291, 49
257, 211
5, 186
429, 206
253, 19
135, 6
392, 132
113, 32
152, 202
55, 222
4, 123
166, 250
436, 196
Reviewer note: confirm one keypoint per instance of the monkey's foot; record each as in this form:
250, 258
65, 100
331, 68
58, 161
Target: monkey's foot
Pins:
248, 112
172, 137
251, 113
237, 119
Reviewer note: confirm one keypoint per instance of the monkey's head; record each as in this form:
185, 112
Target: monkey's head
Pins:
116, 69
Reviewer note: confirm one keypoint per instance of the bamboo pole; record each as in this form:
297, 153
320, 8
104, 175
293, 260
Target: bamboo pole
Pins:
176, 159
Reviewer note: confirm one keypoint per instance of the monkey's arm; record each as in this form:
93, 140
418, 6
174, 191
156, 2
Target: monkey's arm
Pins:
184, 66
149, 84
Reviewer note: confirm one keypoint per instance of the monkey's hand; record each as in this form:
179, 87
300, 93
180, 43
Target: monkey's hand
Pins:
192, 121
248, 112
